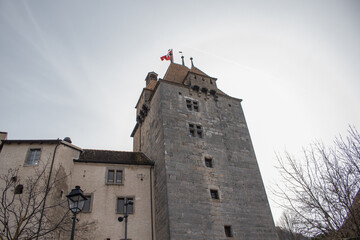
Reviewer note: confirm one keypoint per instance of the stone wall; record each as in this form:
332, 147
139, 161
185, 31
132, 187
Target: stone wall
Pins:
242, 202
150, 131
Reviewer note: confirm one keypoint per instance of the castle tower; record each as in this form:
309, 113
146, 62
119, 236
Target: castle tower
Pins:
207, 183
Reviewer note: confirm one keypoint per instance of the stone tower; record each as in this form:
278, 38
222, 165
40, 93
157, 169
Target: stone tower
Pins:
207, 183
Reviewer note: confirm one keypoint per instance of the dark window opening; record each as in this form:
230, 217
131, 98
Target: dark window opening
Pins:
19, 189
188, 104
228, 231
196, 106
208, 162
204, 90
196, 88
214, 194
229, 105
210, 81
199, 131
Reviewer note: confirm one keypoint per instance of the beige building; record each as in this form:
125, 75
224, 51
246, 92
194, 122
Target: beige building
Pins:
108, 179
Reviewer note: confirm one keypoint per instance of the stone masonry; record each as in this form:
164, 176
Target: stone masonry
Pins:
182, 120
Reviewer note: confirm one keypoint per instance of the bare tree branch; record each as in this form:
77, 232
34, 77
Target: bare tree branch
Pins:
320, 188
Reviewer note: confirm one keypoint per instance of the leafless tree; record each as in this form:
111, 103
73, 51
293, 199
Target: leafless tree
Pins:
22, 204
287, 227
319, 190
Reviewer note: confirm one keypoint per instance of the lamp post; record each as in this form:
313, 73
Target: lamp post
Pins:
120, 219
76, 201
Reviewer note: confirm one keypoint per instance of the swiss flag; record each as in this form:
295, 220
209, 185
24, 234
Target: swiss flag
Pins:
168, 56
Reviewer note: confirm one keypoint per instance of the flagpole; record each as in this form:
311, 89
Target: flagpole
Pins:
172, 56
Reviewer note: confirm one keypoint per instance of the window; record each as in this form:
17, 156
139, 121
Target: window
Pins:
195, 130
192, 129
228, 231
19, 189
33, 157
114, 176
192, 105
120, 205
208, 162
214, 194
88, 204
199, 131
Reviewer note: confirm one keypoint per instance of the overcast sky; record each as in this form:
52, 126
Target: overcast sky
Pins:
77, 68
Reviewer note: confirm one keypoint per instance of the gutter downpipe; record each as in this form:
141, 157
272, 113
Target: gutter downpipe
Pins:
151, 204
47, 188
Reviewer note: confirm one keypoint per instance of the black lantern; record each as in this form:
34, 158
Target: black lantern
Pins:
76, 200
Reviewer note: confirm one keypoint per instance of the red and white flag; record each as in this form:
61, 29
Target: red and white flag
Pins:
168, 56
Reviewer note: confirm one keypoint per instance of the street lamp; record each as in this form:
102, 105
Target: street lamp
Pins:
76, 201
120, 219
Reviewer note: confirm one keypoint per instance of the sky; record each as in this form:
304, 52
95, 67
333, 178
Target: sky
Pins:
77, 68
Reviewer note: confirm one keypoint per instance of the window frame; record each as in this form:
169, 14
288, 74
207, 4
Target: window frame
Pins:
116, 171
123, 206
91, 196
29, 155
192, 105
196, 130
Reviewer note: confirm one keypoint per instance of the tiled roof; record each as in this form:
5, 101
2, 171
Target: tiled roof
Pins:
114, 157
176, 73
40, 141
198, 71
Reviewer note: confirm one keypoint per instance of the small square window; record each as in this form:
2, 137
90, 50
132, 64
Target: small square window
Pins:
208, 162
121, 203
114, 176
33, 157
214, 194
19, 189
228, 231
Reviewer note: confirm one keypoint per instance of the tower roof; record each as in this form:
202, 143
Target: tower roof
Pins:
176, 73
198, 71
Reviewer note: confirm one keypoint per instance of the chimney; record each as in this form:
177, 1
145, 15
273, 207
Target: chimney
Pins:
152, 76
3, 136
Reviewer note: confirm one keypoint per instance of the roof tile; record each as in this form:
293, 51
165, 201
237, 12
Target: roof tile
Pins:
114, 157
